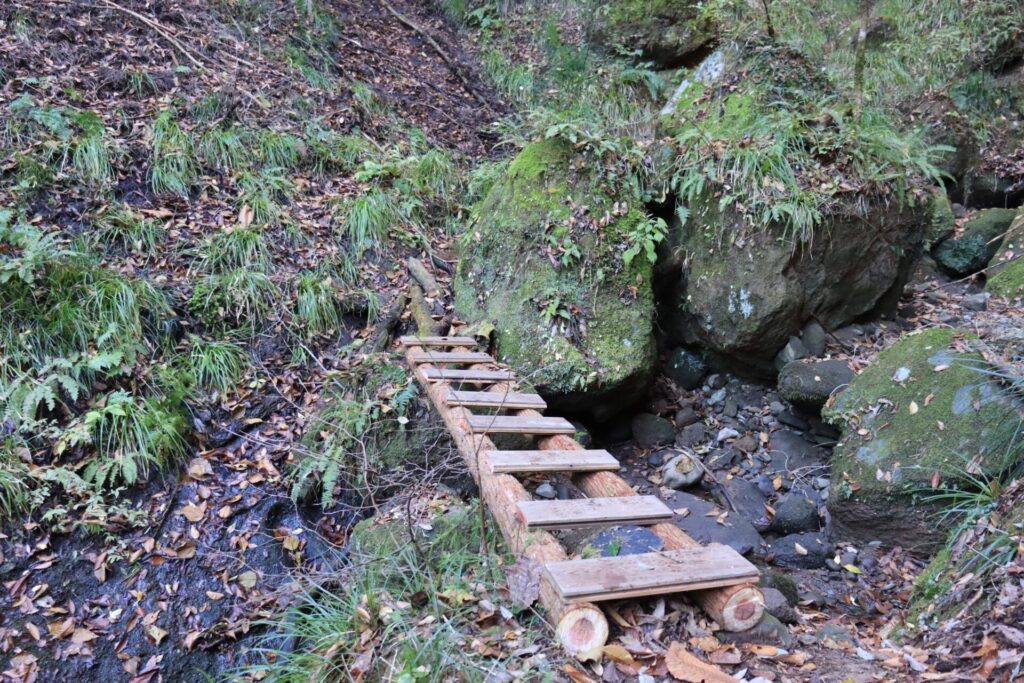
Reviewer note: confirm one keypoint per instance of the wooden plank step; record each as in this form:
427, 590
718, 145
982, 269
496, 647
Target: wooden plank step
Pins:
512, 424
438, 341
507, 462
496, 399
589, 512
430, 356
442, 374
658, 573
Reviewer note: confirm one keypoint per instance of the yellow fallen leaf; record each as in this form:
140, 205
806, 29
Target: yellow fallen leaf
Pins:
83, 635
690, 669
852, 569
617, 653
248, 579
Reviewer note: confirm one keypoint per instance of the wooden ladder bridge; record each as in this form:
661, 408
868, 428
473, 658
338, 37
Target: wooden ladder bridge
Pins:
459, 379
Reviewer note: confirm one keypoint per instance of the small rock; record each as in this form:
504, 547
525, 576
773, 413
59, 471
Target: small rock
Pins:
902, 374
686, 417
795, 512
764, 484
848, 557
563, 490
734, 531
813, 338
692, 435
795, 421
768, 631
835, 636
681, 472
820, 483
547, 491
717, 381
793, 350
726, 433
810, 384
650, 430
717, 397
721, 458
976, 302
776, 407
655, 460
685, 368
745, 499
832, 565
781, 582
624, 540
746, 443
776, 604
807, 550
730, 409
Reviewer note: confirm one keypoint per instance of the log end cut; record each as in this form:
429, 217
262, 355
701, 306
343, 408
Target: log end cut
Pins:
583, 631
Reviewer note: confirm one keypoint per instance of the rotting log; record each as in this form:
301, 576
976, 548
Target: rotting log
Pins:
423, 276
735, 608
581, 627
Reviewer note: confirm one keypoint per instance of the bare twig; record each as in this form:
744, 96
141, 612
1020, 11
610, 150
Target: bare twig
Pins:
156, 26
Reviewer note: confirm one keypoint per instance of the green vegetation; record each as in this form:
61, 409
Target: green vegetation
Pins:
214, 365
121, 225
239, 298
233, 249
318, 304
174, 167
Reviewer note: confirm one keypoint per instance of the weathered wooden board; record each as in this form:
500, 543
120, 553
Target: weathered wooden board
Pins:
508, 462
438, 341
631, 576
443, 374
589, 512
512, 424
492, 399
464, 357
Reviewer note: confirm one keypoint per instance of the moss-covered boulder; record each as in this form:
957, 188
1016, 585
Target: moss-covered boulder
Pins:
976, 245
921, 409
1006, 270
449, 529
942, 224
545, 264
665, 32
785, 221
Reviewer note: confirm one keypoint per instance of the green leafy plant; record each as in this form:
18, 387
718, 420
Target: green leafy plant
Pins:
14, 479
120, 224
236, 248
174, 167
90, 152
643, 237
225, 148
278, 150
132, 437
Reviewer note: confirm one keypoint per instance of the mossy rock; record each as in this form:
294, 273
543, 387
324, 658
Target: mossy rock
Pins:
942, 224
922, 407
977, 245
455, 529
665, 32
1006, 270
578, 330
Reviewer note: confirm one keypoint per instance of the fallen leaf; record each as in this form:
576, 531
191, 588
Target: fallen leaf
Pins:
800, 550
193, 512
248, 579
912, 408
617, 653
156, 633
83, 635
523, 579
690, 669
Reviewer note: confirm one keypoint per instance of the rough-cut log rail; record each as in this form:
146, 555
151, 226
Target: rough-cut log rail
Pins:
720, 578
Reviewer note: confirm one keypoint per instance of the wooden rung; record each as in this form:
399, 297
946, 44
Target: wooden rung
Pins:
658, 573
442, 374
512, 424
495, 399
438, 341
588, 512
450, 357
507, 462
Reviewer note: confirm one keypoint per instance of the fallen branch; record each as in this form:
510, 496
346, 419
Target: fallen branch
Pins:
156, 26
453, 66
423, 276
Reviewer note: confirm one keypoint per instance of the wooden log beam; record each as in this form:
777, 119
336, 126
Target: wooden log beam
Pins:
581, 626
735, 608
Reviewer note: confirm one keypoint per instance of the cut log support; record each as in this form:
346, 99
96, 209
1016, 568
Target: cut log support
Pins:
581, 626
441, 342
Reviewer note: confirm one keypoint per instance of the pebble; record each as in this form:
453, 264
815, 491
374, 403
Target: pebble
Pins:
655, 460
731, 409
902, 374
546, 490
976, 302
794, 421
717, 397
820, 483
686, 417
563, 491
777, 407
764, 484
727, 433
746, 443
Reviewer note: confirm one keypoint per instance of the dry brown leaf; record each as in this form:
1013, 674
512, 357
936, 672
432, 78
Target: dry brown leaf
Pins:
686, 667
193, 512
83, 635
523, 580
617, 653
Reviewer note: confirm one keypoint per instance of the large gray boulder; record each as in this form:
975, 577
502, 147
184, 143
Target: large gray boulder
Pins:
664, 32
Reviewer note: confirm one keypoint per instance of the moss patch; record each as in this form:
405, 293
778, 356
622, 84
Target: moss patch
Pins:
544, 265
663, 31
957, 416
981, 238
1006, 272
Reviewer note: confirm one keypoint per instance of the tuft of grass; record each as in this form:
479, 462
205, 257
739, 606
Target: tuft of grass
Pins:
215, 365
330, 152
225, 148
210, 108
240, 298
366, 220
318, 306
263, 192
120, 224
140, 82
367, 101
235, 248
132, 437
14, 479
278, 150
174, 168
90, 152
